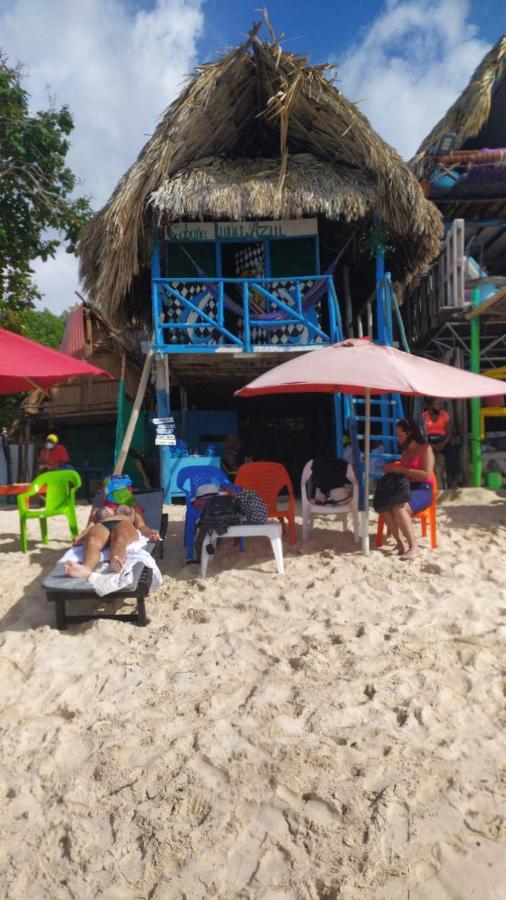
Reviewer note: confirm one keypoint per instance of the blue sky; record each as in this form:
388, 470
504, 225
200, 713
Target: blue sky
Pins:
119, 63
323, 28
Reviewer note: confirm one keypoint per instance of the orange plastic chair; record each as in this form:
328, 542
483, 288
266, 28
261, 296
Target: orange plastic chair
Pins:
426, 516
268, 479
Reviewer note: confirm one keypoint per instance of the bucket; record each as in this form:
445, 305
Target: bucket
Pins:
494, 480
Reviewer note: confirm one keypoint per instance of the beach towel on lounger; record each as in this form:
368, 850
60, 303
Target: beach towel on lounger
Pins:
103, 581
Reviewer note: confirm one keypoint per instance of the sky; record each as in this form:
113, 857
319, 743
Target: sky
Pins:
119, 63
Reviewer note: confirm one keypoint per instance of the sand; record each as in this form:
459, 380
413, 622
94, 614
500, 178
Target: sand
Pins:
338, 731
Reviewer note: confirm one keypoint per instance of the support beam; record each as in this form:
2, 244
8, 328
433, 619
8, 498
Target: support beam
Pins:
475, 402
163, 409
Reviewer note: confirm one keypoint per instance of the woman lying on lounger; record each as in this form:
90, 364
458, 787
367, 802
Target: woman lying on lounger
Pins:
115, 523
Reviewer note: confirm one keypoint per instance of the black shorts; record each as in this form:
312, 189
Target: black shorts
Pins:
109, 525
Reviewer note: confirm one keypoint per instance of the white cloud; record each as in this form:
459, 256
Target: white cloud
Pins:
410, 65
117, 67
57, 280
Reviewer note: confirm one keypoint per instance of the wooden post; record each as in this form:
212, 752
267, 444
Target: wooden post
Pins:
134, 415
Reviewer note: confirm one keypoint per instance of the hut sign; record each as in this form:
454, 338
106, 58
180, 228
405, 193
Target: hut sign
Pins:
211, 231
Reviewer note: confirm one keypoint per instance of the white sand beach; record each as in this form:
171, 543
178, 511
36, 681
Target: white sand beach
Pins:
338, 731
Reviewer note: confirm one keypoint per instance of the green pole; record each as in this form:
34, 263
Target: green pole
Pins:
475, 402
120, 409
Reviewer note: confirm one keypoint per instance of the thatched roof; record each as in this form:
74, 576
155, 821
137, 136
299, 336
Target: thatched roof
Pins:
261, 132
470, 113
247, 188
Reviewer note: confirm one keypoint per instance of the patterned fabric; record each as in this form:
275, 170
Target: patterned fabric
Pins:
253, 509
283, 335
176, 311
249, 262
107, 512
274, 335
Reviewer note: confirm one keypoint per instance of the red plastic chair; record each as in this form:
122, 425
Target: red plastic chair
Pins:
426, 516
268, 479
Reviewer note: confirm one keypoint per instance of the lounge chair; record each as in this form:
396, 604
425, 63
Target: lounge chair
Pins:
62, 590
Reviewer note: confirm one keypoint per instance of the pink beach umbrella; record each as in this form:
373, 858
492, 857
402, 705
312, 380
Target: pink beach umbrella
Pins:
361, 367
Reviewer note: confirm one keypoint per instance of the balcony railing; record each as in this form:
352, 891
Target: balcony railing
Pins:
195, 315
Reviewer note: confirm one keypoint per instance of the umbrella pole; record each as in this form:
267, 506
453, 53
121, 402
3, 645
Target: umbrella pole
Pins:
367, 449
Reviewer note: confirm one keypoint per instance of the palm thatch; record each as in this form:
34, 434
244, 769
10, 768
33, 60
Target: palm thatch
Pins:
248, 188
259, 132
471, 110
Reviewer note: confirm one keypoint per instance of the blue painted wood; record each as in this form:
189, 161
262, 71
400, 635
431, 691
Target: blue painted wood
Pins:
212, 332
246, 322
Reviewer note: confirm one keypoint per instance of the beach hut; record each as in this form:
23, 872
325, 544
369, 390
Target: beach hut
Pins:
258, 220
462, 167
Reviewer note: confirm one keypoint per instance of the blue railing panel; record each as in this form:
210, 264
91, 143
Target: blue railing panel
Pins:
203, 314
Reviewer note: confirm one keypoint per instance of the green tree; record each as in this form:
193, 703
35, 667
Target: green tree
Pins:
35, 189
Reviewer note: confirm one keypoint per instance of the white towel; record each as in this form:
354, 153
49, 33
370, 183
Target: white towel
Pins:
104, 581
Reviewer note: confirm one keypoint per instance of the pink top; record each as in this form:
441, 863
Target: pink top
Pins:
418, 463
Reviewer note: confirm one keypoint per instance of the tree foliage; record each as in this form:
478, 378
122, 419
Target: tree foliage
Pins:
35, 189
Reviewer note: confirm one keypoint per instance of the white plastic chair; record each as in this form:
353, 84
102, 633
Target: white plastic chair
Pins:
271, 530
310, 509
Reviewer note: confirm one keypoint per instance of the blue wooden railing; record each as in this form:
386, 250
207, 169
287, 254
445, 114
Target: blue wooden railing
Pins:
203, 314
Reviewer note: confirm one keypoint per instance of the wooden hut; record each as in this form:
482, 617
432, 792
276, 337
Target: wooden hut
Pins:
89, 414
257, 221
462, 167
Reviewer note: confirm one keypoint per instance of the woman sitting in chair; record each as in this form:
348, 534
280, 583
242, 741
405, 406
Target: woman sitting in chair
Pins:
417, 464
115, 523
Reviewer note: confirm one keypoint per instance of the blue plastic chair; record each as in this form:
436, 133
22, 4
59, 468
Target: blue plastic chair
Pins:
188, 480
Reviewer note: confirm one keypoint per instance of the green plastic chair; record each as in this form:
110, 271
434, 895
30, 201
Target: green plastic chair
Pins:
60, 500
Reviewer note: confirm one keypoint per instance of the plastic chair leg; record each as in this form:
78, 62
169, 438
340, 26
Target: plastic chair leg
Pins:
277, 549
43, 530
22, 535
433, 531
424, 526
189, 532
306, 525
72, 520
356, 525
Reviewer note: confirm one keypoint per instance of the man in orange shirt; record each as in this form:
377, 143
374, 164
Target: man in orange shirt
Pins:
53, 455
439, 433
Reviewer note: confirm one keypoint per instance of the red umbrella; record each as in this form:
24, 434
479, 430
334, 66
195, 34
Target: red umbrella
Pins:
25, 365
361, 367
